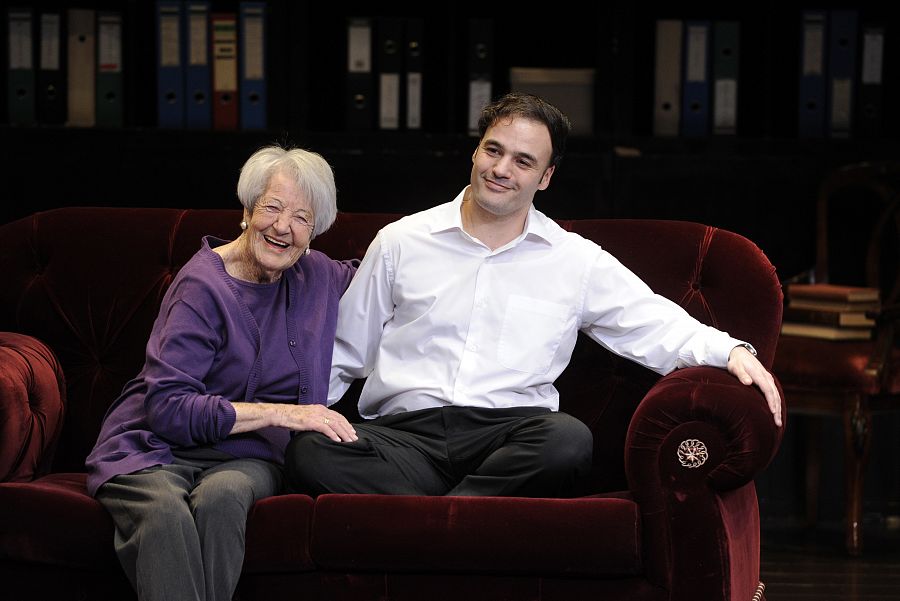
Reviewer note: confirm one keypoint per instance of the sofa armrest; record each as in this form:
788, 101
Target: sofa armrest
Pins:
708, 404
694, 445
32, 406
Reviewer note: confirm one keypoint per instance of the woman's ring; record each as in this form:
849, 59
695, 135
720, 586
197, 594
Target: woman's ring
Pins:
326, 420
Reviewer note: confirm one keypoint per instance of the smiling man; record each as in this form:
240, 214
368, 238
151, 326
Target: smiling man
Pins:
461, 317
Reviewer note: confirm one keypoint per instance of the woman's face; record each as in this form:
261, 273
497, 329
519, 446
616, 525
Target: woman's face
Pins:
280, 228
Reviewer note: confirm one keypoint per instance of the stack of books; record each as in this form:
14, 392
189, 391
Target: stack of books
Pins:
830, 312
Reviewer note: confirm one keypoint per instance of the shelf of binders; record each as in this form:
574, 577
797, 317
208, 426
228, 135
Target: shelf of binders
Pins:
620, 70
775, 70
786, 71
168, 64
65, 66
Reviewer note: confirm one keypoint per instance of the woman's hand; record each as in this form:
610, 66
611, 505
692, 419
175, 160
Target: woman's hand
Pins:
318, 418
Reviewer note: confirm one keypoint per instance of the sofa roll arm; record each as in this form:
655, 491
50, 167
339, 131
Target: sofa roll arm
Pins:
694, 445
700, 426
32, 406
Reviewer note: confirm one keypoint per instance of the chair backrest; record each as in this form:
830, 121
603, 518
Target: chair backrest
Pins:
858, 228
88, 282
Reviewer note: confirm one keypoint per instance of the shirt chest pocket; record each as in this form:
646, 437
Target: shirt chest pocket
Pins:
531, 333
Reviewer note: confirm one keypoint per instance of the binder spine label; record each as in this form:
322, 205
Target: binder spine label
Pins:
225, 59
696, 58
413, 100
359, 55
873, 51
50, 42
109, 58
813, 47
841, 92
254, 65
389, 101
169, 38
725, 114
20, 40
198, 41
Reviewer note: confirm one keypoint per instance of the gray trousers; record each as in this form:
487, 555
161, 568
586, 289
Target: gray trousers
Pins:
180, 527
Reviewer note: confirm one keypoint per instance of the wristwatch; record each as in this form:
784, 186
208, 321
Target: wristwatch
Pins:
749, 347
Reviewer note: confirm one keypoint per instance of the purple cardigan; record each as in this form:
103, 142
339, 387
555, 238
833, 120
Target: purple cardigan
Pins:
204, 351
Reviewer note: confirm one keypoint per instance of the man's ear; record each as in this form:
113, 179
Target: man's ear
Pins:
545, 179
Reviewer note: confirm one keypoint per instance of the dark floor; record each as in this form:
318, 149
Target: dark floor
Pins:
801, 564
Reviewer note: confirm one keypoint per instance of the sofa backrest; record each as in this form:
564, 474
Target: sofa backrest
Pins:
88, 282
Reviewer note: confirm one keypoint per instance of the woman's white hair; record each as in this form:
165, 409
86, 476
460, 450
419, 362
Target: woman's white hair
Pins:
309, 170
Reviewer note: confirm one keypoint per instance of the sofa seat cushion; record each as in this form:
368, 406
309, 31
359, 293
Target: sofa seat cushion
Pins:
278, 533
585, 537
54, 521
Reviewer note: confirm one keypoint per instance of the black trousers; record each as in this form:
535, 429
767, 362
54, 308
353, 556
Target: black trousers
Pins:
524, 451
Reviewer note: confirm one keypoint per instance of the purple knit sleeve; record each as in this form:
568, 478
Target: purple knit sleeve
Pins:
180, 356
343, 273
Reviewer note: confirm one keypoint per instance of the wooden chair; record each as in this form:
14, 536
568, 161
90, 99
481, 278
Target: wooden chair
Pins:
858, 243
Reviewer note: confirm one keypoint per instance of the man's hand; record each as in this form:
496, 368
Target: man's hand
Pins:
747, 368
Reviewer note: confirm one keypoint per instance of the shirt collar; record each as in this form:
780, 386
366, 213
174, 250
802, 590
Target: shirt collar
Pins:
448, 217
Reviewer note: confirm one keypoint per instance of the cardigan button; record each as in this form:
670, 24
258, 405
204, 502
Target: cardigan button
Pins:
304, 389
292, 343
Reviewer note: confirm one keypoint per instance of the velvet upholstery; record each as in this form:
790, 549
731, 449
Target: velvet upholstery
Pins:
82, 287
31, 386
509, 533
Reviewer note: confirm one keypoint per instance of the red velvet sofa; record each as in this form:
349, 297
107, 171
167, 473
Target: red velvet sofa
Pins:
670, 513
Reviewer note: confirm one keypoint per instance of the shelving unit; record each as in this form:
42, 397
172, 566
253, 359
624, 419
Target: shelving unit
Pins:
760, 182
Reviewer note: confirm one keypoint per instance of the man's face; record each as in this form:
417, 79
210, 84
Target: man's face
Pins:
511, 163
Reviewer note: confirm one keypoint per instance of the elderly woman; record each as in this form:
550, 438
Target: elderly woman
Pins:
238, 357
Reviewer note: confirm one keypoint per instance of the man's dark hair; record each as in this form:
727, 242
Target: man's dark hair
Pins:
533, 108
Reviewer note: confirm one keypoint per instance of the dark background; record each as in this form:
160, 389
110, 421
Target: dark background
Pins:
761, 182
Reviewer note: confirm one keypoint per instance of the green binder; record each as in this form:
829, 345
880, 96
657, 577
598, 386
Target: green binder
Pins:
20, 71
109, 69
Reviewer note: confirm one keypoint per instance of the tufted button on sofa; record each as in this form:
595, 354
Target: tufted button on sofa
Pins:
669, 513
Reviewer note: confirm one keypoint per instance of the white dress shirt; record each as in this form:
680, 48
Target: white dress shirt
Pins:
435, 318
